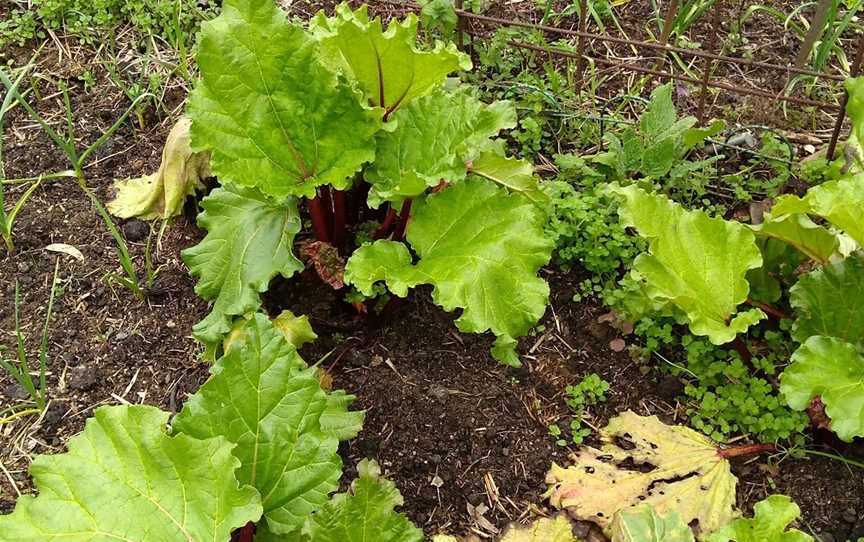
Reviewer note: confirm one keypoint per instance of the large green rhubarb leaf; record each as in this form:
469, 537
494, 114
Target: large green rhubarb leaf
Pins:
434, 138
768, 524
125, 479
833, 370
366, 514
829, 302
263, 398
695, 262
481, 248
689, 475
271, 113
839, 202
644, 524
810, 239
249, 241
387, 65
517, 175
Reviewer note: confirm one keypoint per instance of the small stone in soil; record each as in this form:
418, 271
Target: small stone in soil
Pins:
439, 393
82, 379
15, 391
136, 230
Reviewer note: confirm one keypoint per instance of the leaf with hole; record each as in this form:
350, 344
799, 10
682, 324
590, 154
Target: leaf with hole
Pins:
644, 461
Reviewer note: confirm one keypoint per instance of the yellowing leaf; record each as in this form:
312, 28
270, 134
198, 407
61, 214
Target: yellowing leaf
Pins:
542, 530
161, 194
685, 473
297, 329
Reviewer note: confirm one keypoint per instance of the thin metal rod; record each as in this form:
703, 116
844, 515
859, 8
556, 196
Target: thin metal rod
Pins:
580, 47
653, 45
667, 23
667, 30
709, 64
841, 116
713, 84
460, 25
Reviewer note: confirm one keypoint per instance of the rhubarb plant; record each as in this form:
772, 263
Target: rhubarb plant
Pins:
701, 268
256, 444
361, 126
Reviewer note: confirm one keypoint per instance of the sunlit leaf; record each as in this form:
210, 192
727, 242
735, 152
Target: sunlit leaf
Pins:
124, 478
249, 241
272, 115
769, 523
832, 369
695, 262
387, 65
263, 398
434, 139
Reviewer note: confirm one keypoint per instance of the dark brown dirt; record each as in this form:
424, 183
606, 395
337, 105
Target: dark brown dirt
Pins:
448, 424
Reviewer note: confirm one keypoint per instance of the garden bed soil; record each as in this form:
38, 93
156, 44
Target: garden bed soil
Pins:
449, 425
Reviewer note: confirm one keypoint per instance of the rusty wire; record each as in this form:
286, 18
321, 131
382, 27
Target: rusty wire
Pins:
710, 57
649, 45
683, 78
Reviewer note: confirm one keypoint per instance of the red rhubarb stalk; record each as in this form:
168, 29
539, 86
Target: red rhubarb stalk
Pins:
748, 449
339, 215
319, 214
404, 216
384, 229
770, 310
247, 533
